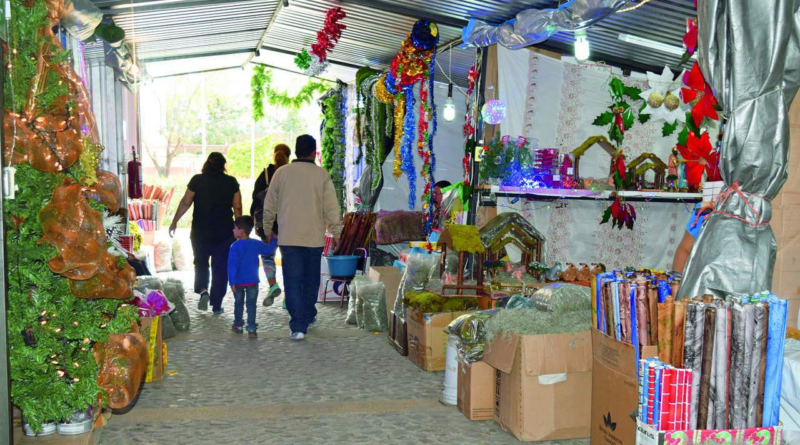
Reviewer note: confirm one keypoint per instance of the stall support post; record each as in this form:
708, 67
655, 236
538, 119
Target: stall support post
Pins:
6, 430
472, 210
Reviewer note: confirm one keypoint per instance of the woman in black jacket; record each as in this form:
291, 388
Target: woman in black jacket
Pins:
280, 158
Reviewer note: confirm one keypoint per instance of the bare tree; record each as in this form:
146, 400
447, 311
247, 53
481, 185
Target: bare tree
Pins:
181, 118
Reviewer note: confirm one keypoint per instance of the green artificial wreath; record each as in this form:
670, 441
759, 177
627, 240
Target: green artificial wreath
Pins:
261, 85
51, 333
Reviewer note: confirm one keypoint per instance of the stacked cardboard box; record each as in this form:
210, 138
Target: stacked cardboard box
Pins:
427, 339
476, 390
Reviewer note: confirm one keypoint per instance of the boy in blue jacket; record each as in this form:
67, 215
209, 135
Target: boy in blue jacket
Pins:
243, 273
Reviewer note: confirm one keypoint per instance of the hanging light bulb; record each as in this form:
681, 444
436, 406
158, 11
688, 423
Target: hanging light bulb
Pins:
581, 46
449, 105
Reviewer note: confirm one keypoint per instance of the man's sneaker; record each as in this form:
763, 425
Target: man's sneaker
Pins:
238, 329
252, 334
219, 311
297, 336
202, 305
274, 291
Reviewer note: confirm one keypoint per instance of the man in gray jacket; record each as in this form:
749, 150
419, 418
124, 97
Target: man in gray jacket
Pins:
302, 196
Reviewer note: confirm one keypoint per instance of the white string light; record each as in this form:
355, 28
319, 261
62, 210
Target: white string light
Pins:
636, 6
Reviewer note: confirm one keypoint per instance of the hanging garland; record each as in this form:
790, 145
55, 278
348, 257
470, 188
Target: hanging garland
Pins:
413, 64
334, 110
316, 62
261, 86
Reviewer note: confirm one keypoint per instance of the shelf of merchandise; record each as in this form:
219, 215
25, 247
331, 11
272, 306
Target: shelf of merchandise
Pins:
546, 193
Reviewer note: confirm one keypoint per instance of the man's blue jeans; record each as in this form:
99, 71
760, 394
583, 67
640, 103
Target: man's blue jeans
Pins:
248, 295
301, 269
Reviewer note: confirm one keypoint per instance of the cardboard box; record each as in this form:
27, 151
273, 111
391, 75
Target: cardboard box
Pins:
476, 390
544, 385
647, 435
390, 277
615, 397
427, 340
152, 331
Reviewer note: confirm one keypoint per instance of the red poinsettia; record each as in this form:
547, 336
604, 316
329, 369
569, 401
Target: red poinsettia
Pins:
700, 94
620, 213
690, 38
700, 156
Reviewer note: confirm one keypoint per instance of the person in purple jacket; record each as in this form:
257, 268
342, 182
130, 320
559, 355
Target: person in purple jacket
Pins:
243, 273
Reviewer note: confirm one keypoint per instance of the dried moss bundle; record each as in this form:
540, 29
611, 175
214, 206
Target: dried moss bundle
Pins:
466, 239
428, 302
535, 322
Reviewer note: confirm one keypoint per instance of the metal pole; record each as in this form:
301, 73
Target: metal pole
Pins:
252, 150
6, 423
203, 113
478, 137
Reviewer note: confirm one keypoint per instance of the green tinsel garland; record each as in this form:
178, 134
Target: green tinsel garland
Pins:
333, 142
63, 326
261, 86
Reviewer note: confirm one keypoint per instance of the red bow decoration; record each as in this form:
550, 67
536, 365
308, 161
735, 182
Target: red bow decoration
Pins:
690, 38
700, 156
699, 91
330, 34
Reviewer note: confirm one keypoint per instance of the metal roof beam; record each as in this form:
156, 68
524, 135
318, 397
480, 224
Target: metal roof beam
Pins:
408, 12
272, 21
293, 53
144, 6
196, 56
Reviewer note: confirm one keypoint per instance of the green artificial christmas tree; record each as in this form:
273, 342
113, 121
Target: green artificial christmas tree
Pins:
51, 332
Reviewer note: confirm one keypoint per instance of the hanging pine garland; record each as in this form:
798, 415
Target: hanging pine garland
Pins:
261, 85
334, 147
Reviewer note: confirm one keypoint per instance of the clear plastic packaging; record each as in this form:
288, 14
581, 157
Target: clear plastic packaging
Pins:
147, 284
356, 302
373, 312
560, 297
470, 329
518, 300
168, 327
415, 278
175, 293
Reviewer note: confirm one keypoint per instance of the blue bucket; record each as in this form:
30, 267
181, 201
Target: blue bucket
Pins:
342, 266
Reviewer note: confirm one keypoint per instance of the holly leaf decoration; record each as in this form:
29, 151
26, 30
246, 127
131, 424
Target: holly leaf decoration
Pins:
604, 119
683, 136
628, 118
643, 117
669, 129
606, 216
690, 123
617, 88
633, 92
615, 135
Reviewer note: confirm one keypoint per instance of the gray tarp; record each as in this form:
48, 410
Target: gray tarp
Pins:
749, 54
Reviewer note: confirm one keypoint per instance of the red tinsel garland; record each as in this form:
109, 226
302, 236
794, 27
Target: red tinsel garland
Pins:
330, 34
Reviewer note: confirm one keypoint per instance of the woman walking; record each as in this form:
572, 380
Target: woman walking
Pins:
280, 156
217, 201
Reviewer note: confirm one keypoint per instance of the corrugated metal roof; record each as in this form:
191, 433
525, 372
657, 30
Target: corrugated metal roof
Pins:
191, 28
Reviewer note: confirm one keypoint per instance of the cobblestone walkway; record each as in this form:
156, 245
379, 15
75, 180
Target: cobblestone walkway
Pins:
340, 386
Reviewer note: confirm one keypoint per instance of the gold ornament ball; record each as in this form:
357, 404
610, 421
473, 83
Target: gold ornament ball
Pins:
655, 100
672, 102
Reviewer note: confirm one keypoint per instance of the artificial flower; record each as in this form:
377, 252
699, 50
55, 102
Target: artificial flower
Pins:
690, 38
662, 100
699, 94
700, 156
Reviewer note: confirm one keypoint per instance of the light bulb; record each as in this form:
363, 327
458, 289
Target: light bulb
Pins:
581, 46
449, 106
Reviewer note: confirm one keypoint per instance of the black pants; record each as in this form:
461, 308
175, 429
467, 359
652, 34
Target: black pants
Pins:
218, 253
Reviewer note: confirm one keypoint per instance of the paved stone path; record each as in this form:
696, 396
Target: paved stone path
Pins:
340, 386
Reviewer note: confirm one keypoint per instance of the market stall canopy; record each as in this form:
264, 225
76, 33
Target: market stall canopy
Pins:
641, 39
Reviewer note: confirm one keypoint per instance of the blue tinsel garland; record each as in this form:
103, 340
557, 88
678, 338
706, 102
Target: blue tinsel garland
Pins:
407, 150
431, 134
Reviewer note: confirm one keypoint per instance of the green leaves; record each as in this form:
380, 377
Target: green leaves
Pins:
643, 118
606, 216
628, 118
633, 92
617, 88
669, 129
261, 88
604, 119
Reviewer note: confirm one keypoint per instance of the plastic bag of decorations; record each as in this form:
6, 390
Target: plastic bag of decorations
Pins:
470, 329
173, 290
373, 307
355, 295
559, 297
147, 284
415, 278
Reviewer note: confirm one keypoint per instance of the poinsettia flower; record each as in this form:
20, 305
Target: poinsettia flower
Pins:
700, 156
699, 94
690, 38
662, 100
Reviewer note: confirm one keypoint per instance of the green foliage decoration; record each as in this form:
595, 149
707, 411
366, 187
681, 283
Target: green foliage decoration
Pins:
620, 106
430, 303
261, 86
333, 141
51, 333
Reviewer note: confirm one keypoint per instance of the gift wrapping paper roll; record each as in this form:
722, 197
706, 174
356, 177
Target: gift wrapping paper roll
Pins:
610, 323
710, 317
641, 314
625, 311
754, 366
652, 302
666, 316
678, 334
749, 350
762, 370
719, 386
674, 286
736, 406
775, 348
651, 393
665, 404
695, 342
615, 301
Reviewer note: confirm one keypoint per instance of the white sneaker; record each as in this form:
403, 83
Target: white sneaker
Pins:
297, 336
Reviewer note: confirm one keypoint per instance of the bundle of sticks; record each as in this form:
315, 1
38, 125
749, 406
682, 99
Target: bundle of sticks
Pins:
357, 232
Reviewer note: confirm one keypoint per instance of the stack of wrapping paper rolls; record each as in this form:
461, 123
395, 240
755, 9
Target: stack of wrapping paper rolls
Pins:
731, 348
